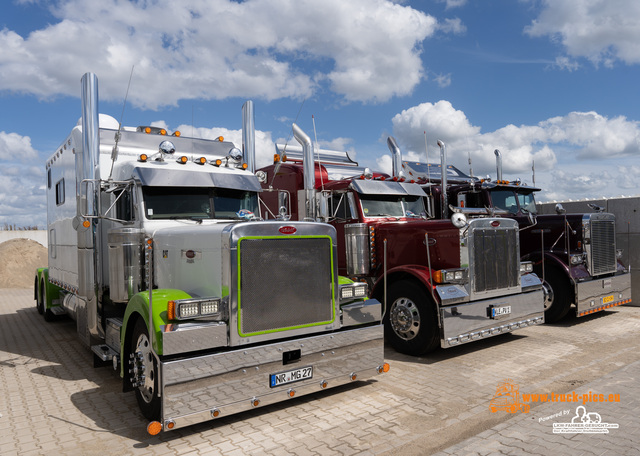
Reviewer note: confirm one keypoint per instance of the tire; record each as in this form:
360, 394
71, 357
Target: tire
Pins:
38, 296
557, 299
46, 313
143, 363
410, 321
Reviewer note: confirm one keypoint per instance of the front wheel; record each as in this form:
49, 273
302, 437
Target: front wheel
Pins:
410, 322
557, 300
144, 369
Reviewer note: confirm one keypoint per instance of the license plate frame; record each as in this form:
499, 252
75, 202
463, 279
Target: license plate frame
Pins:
497, 312
290, 376
608, 299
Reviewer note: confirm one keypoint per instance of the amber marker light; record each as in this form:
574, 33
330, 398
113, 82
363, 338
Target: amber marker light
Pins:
171, 310
255, 402
437, 276
171, 425
244, 166
354, 376
324, 384
154, 428
143, 157
183, 160
292, 392
218, 162
201, 161
215, 413
86, 223
176, 133
163, 132
220, 138
147, 130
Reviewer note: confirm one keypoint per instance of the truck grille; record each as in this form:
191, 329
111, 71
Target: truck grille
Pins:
603, 246
495, 264
271, 295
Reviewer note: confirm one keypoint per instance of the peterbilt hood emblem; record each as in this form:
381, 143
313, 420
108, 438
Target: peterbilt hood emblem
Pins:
495, 224
287, 229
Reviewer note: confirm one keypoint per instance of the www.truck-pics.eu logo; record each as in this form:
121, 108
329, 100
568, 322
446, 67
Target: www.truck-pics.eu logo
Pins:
508, 398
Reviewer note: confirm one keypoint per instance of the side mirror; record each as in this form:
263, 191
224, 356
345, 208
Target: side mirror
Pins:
559, 209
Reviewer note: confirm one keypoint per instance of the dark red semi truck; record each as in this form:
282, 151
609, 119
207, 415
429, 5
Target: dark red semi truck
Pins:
447, 281
575, 255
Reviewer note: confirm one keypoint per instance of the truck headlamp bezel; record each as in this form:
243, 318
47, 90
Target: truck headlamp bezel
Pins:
458, 275
526, 267
353, 291
188, 309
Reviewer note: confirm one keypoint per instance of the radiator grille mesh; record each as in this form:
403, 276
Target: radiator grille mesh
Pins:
272, 295
495, 255
603, 246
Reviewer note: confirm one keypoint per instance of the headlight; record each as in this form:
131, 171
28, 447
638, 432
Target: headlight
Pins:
354, 291
450, 276
190, 308
577, 259
526, 267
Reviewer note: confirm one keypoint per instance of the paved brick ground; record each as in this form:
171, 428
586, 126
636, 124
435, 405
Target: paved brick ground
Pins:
52, 401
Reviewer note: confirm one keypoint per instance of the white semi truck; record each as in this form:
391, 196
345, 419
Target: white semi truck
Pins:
158, 252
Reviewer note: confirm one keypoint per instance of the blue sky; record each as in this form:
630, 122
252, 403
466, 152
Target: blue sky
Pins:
550, 81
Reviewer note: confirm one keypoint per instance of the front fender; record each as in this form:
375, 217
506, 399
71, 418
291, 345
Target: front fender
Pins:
422, 274
138, 306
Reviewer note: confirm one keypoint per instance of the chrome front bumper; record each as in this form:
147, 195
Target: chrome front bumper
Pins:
601, 294
203, 388
472, 321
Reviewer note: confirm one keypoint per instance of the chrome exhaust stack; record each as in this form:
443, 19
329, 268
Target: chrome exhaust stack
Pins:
443, 185
308, 166
396, 158
498, 164
88, 185
249, 136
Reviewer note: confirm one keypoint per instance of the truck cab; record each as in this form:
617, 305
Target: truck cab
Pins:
574, 254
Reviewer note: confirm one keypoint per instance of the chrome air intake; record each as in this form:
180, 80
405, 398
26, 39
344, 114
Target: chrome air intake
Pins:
358, 249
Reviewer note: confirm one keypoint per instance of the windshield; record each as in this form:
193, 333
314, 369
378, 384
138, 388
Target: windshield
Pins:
392, 206
505, 199
527, 202
199, 203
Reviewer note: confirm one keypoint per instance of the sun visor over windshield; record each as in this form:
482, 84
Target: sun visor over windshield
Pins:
377, 187
179, 178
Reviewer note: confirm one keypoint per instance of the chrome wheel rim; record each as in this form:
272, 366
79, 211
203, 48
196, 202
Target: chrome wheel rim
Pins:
405, 318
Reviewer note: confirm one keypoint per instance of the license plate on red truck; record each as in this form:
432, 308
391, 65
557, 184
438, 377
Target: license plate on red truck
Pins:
295, 375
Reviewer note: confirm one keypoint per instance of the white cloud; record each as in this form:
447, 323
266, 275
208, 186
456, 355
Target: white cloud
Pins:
21, 195
578, 153
453, 3
602, 31
454, 26
16, 147
363, 50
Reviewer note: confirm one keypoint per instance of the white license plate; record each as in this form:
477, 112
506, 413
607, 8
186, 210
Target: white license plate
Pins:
497, 312
291, 376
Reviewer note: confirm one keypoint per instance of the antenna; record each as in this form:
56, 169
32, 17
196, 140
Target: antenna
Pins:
470, 168
114, 151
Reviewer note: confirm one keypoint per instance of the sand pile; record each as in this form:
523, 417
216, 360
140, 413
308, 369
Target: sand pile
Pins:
19, 259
